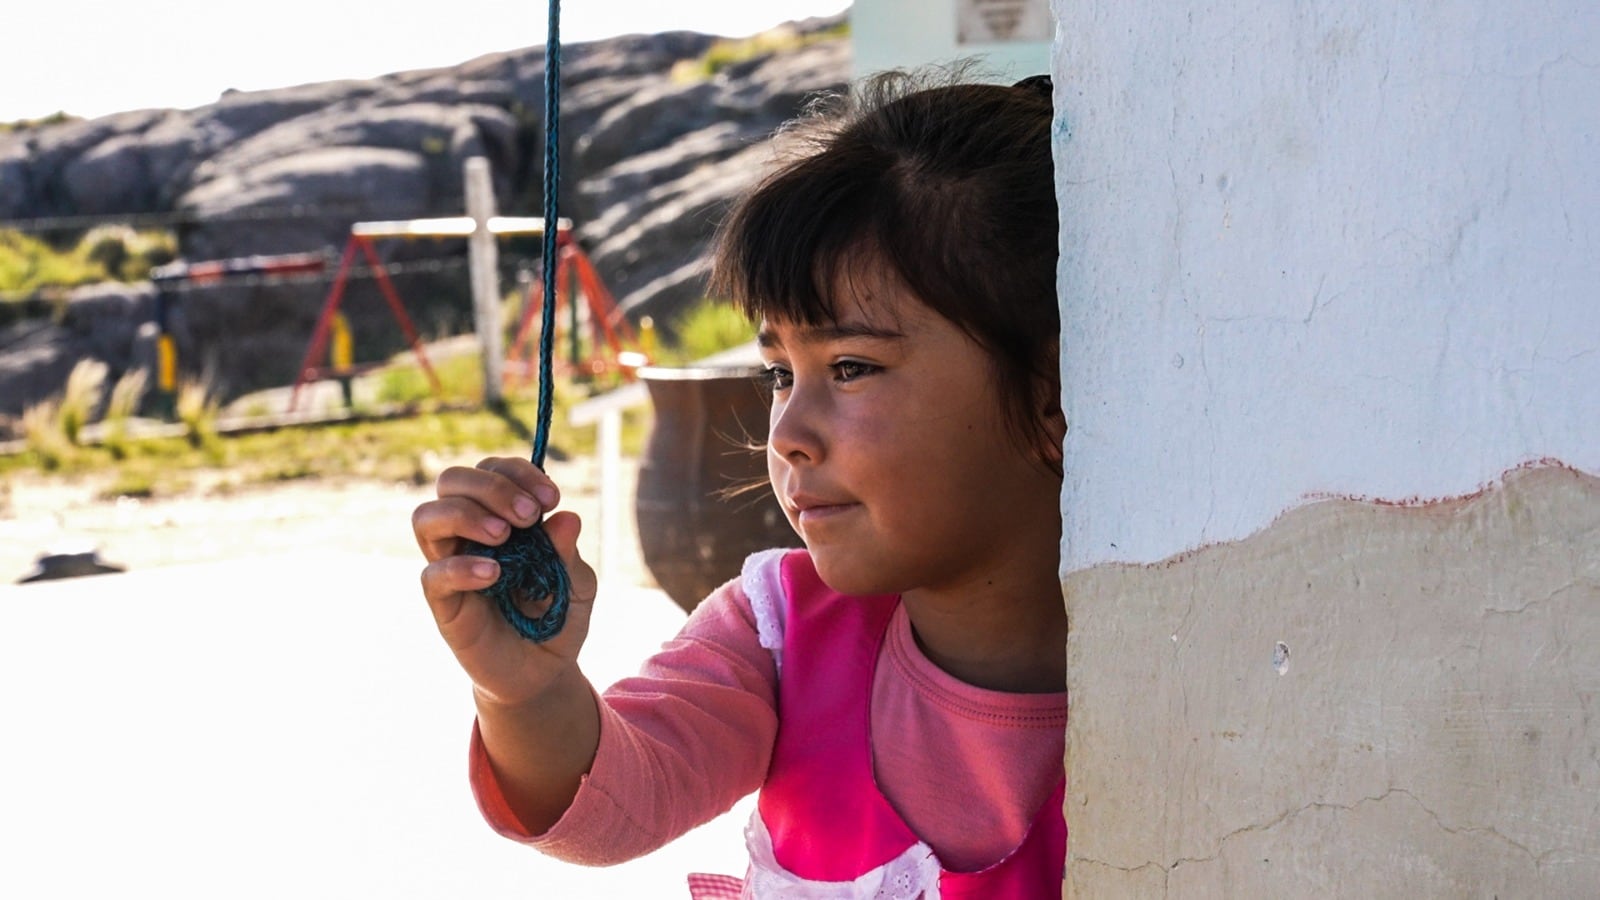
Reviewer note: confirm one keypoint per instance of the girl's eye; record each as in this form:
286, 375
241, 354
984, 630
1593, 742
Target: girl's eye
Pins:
776, 378
849, 370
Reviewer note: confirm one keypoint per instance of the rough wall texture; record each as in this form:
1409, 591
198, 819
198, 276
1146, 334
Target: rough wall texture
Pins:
1360, 701
1316, 251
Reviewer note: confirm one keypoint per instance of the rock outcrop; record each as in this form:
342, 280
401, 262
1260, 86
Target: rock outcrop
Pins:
649, 161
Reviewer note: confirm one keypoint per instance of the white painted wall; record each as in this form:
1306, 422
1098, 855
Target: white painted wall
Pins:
1343, 247
1348, 248
890, 34
1332, 249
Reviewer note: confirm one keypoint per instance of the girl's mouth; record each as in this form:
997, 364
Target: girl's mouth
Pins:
824, 511
809, 511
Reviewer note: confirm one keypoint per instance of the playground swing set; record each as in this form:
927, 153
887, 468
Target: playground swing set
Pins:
611, 338
613, 345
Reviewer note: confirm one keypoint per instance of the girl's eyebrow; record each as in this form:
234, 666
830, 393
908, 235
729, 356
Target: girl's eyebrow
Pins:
815, 334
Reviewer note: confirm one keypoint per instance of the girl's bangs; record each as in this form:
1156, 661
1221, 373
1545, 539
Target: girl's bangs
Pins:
781, 252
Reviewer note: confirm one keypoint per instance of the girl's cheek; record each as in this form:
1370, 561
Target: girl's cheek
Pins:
875, 425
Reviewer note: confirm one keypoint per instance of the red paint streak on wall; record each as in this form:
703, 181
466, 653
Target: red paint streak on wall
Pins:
1436, 503
1415, 501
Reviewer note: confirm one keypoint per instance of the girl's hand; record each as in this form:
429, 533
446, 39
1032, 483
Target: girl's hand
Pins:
482, 504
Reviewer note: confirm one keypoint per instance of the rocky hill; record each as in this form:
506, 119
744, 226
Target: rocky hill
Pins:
649, 161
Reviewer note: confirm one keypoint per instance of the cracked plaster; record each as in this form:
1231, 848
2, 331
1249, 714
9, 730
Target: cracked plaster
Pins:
1313, 251
1434, 733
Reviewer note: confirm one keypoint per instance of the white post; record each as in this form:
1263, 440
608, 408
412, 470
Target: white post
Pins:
611, 496
483, 263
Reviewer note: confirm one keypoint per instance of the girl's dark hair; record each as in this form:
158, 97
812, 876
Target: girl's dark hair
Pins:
949, 186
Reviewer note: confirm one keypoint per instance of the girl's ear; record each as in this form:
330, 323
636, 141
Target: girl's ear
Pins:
1055, 427
1052, 419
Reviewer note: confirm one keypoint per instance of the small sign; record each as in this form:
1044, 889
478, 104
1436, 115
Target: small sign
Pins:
1002, 21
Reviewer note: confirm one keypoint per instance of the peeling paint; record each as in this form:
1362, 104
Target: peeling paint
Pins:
1445, 659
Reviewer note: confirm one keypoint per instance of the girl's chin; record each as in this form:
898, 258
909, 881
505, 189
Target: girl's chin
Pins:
851, 575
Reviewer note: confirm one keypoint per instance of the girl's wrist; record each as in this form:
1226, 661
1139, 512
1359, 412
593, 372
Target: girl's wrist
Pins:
567, 683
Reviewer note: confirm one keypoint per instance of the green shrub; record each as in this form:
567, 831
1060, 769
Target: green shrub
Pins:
710, 326
106, 253
729, 51
55, 118
28, 264
125, 254
403, 382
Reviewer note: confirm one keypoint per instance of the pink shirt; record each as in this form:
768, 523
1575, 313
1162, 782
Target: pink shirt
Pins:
680, 743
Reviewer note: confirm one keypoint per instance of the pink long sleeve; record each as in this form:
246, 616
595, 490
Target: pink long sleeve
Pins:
680, 743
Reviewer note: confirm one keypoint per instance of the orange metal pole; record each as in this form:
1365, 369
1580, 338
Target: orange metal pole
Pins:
533, 303
393, 298
608, 319
319, 336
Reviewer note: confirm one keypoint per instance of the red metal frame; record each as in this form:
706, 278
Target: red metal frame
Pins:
318, 344
609, 325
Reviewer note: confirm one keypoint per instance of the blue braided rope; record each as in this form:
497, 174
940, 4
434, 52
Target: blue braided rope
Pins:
552, 188
530, 568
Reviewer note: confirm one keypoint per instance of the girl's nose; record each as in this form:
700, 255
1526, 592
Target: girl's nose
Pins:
792, 432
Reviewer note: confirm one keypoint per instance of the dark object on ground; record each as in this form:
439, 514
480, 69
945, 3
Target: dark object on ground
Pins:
51, 566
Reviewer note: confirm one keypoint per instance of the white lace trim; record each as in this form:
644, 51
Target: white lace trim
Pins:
911, 875
763, 585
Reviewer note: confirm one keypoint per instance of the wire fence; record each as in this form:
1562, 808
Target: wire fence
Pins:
426, 266
449, 259
173, 219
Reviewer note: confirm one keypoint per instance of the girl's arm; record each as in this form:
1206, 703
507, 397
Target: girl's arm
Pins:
535, 708
541, 749
679, 744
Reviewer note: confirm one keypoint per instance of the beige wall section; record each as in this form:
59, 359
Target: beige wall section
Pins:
1433, 731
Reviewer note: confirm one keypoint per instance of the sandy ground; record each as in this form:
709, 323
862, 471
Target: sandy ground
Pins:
260, 707
39, 516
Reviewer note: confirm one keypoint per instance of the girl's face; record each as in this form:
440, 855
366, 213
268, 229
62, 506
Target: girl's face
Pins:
888, 451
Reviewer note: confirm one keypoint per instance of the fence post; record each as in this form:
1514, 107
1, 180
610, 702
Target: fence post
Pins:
483, 263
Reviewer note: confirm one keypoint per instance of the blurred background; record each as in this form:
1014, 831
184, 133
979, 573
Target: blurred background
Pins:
242, 331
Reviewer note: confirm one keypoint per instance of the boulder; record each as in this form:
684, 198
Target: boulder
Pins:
96, 322
650, 163
302, 201
35, 357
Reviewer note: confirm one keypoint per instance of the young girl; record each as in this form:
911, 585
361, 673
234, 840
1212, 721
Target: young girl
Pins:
896, 690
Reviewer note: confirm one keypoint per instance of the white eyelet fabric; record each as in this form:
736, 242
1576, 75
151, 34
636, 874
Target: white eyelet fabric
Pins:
911, 875
763, 585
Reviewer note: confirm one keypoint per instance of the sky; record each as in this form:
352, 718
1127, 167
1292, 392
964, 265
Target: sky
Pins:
93, 58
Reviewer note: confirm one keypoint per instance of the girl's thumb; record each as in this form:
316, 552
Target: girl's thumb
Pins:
563, 529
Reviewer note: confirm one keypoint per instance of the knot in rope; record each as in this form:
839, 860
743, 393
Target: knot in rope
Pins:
530, 569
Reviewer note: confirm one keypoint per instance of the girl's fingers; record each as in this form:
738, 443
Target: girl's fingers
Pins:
563, 528
448, 582
439, 526
513, 489
528, 477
